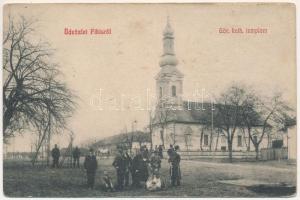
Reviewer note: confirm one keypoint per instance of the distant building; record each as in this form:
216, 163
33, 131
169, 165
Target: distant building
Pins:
134, 140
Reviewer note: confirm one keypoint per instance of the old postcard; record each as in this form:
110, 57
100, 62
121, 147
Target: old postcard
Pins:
149, 100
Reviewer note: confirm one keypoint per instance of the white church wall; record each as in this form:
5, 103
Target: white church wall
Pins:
187, 137
156, 140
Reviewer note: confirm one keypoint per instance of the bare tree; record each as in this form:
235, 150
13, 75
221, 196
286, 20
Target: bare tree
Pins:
32, 92
151, 126
201, 137
162, 118
246, 137
228, 115
260, 117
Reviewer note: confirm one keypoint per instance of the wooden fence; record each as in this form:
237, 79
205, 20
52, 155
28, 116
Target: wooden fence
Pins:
195, 155
274, 153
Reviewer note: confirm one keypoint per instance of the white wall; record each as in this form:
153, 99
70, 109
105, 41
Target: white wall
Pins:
181, 130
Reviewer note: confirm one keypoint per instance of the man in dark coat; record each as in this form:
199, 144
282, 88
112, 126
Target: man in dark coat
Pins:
90, 164
139, 169
119, 164
160, 151
76, 156
170, 150
175, 167
128, 163
55, 155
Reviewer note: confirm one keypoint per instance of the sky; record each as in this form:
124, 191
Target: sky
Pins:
123, 64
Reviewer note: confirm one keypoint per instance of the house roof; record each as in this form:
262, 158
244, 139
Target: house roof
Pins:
124, 137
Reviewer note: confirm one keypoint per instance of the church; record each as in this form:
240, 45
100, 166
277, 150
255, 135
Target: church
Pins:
185, 123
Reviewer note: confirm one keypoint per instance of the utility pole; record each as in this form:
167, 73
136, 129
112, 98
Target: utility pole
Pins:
287, 144
49, 133
71, 147
132, 134
48, 141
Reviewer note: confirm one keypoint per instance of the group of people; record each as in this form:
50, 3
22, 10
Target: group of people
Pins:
143, 168
138, 166
56, 154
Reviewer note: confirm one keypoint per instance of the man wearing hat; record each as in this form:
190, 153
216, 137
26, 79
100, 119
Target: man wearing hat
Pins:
90, 164
127, 165
55, 155
119, 164
175, 167
139, 168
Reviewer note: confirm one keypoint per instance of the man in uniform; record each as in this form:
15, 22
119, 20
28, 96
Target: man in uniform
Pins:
90, 164
119, 164
55, 155
76, 156
175, 167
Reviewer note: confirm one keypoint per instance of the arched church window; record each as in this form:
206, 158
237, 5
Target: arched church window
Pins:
173, 91
160, 92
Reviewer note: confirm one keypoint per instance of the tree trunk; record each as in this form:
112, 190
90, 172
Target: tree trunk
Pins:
247, 141
230, 150
11, 107
256, 151
174, 135
201, 140
40, 143
217, 141
151, 143
269, 141
211, 139
6, 119
162, 138
48, 142
248, 147
38, 150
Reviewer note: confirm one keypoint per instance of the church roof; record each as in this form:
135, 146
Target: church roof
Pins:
194, 112
197, 113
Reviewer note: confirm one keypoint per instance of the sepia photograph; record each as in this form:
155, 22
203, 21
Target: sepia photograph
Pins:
149, 100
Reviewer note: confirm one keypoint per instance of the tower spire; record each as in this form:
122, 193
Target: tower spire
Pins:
169, 80
168, 57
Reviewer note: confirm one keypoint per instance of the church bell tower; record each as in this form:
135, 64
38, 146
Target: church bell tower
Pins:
169, 80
